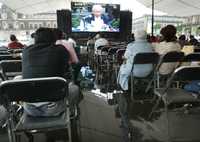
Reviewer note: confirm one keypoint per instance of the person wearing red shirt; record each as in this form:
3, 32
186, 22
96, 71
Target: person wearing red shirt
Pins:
14, 44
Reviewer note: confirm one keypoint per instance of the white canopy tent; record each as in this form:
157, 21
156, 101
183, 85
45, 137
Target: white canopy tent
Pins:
35, 6
38, 6
175, 7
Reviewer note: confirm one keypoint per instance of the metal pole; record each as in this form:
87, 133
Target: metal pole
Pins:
152, 18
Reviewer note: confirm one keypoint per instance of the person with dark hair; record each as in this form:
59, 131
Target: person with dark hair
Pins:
14, 44
73, 58
45, 59
182, 40
193, 40
31, 40
169, 43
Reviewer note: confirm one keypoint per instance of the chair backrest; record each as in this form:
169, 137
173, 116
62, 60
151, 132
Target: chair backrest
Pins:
197, 50
8, 57
10, 66
105, 48
49, 89
100, 47
146, 58
184, 73
191, 57
173, 56
170, 57
113, 50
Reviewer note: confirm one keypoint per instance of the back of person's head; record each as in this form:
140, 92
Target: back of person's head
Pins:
191, 37
58, 34
13, 38
33, 35
140, 34
182, 37
169, 33
44, 35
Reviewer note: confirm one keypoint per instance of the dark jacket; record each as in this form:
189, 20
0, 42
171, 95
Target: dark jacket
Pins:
44, 60
90, 18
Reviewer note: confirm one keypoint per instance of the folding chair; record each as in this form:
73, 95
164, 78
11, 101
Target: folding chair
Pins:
191, 57
50, 89
143, 58
171, 96
8, 57
170, 57
10, 68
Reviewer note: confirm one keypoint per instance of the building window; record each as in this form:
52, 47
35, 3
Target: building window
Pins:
54, 25
22, 26
35, 26
49, 25
31, 26
40, 25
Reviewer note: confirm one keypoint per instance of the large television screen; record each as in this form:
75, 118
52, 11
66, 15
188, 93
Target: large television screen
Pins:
95, 17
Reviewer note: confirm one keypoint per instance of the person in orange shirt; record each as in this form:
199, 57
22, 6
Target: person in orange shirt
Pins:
14, 44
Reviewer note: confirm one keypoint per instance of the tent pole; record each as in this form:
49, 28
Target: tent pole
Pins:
152, 18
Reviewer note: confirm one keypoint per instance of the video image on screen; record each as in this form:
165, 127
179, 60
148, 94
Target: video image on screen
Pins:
95, 17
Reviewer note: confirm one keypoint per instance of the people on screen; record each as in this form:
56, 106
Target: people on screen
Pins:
97, 21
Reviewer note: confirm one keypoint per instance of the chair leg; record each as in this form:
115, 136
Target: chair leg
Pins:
11, 134
74, 131
69, 126
30, 136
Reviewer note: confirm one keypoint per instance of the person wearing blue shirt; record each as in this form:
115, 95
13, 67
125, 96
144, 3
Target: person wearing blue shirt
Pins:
139, 46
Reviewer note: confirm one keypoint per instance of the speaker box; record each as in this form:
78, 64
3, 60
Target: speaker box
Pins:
64, 20
125, 24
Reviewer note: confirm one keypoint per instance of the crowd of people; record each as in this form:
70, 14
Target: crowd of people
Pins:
48, 54
163, 44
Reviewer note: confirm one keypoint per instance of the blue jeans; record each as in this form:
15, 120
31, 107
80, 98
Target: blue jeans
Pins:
54, 108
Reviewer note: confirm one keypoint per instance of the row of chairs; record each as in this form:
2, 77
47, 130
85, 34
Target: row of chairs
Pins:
107, 64
168, 101
153, 58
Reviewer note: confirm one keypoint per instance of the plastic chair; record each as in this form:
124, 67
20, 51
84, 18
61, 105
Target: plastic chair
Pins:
50, 89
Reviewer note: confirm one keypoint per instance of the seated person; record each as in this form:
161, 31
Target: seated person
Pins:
100, 41
138, 46
45, 59
168, 44
14, 44
73, 59
61, 41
